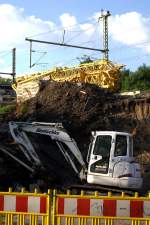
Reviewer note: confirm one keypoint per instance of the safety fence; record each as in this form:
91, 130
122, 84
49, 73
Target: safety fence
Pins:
24, 208
53, 208
100, 210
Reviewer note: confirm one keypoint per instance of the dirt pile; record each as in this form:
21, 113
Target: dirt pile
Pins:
83, 108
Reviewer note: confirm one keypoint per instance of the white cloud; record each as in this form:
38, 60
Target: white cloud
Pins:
130, 29
88, 28
15, 26
68, 21
2, 61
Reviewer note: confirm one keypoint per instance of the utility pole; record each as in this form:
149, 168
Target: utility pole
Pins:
13, 73
13, 64
30, 54
104, 16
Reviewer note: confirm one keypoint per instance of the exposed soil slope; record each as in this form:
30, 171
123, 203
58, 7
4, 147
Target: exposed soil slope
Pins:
83, 108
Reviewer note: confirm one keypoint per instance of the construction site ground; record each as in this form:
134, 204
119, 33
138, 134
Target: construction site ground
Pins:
82, 108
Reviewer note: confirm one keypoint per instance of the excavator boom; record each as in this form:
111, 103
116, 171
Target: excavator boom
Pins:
22, 132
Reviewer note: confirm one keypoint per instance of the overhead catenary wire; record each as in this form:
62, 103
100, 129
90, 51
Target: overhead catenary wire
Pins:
60, 28
64, 40
131, 45
67, 41
5, 51
104, 51
135, 57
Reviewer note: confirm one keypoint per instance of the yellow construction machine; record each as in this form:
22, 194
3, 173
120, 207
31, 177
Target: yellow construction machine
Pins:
103, 73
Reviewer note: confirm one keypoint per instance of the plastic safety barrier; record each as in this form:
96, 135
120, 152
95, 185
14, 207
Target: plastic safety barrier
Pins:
24, 208
52, 208
95, 210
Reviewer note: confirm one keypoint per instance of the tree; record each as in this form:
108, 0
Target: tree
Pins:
85, 59
124, 80
138, 80
5, 80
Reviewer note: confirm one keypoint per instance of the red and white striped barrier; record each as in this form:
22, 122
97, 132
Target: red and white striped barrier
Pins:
107, 208
29, 204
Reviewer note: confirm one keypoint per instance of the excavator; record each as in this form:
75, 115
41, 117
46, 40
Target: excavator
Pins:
48, 150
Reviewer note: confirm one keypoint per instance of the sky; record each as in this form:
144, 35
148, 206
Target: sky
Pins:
74, 22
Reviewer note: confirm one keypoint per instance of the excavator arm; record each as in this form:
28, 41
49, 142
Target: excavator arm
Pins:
21, 131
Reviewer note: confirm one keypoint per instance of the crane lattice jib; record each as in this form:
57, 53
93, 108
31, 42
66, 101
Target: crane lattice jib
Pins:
102, 73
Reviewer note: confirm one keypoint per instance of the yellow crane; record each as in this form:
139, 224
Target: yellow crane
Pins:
103, 73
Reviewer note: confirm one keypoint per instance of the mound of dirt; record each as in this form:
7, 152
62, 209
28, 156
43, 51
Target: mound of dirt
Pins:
83, 108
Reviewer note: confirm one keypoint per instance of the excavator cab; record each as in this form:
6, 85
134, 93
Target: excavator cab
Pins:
111, 161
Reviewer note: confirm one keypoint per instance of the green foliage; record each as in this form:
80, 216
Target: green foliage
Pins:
24, 109
5, 80
138, 80
7, 108
124, 80
85, 59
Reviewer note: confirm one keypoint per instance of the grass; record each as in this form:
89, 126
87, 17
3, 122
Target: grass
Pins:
7, 108
24, 109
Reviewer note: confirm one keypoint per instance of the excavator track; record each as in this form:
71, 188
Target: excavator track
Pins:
103, 190
75, 188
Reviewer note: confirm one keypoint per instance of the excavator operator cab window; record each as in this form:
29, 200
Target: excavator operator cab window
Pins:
121, 146
102, 148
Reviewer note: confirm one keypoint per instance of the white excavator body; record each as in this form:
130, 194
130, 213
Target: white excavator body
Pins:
111, 162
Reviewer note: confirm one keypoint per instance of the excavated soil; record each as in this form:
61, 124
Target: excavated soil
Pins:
83, 108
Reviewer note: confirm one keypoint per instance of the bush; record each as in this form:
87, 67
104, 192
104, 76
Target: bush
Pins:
138, 80
7, 108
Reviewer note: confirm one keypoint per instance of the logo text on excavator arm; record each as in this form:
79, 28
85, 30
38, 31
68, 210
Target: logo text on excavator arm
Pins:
45, 131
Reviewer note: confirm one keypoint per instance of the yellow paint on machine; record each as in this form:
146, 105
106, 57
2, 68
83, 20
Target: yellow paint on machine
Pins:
102, 73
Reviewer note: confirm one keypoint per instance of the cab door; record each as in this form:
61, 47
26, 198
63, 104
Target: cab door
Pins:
121, 157
121, 152
100, 155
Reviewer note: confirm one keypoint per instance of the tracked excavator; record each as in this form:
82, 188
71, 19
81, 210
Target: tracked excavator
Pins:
48, 149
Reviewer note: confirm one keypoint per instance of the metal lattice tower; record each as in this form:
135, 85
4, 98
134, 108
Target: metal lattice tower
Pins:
104, 16
13, 63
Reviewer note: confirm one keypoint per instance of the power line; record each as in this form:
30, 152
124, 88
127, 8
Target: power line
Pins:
3, 55
79, 34
130, 46
135, 56
61, 28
